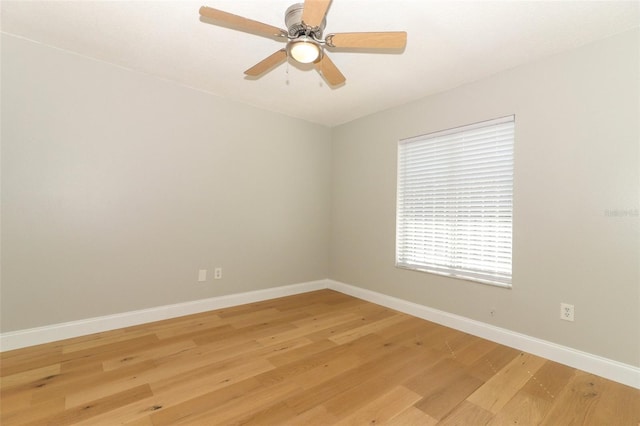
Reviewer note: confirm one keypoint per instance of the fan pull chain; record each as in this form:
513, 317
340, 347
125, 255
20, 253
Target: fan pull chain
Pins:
321, 83
286, 71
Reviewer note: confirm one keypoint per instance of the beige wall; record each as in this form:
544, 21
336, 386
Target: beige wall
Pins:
117, 187
576, 160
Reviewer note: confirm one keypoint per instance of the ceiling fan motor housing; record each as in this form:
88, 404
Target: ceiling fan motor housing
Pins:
295, 26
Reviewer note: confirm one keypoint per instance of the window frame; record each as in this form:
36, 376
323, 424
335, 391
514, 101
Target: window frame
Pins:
428, 265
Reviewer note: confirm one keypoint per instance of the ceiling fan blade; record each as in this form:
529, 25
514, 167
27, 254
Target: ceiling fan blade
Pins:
267, 64
314, 12
380, 40
241, 23
329, 71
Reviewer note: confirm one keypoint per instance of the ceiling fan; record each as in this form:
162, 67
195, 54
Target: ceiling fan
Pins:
304, 37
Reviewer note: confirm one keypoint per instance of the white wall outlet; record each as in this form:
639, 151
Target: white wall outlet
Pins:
202, 275
566, 312
217, 273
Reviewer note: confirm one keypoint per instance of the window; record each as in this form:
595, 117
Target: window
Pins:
455, 202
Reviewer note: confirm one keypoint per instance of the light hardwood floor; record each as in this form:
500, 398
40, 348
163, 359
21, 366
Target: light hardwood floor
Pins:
319, 358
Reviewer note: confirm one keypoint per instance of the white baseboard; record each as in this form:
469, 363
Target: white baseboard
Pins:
607, 368
610, 369
51, 333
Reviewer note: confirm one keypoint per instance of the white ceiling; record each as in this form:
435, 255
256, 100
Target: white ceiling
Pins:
449, 43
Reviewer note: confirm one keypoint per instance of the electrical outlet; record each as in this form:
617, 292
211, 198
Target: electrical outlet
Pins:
566, 312
217, 273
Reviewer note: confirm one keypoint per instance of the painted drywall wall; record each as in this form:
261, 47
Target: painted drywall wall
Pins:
576, 230
117, 187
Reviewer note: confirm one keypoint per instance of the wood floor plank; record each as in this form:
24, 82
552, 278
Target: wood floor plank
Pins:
326, 390
82, 412
466, 414
106, 341
473, 349
24, 355
20, 379
327, 370
275, 414
498, 390
143, 421
103, 386
33, 412
24, 362
147, 354
108, 345
137, 412
329, 358
80, 366
240, 410
382, 409
319, 358
355, 333
579, 403
412, 416
16, 401
299, 331
253, 332
523, 408
326, 333
81, 357
203, 380
489, 365
388, 375
282, 358
171, 412
532, 403
325, 320
316, 416
259, 317
443, 386
548, 381
187, 328
439, 401
171, 370
362, 315
617, 402
69, 383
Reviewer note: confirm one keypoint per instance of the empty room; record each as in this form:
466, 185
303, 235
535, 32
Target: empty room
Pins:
353, 212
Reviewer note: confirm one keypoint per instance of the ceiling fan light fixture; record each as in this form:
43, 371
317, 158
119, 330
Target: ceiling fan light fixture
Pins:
304, 50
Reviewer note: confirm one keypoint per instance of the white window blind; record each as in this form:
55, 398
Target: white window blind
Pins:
455, 202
